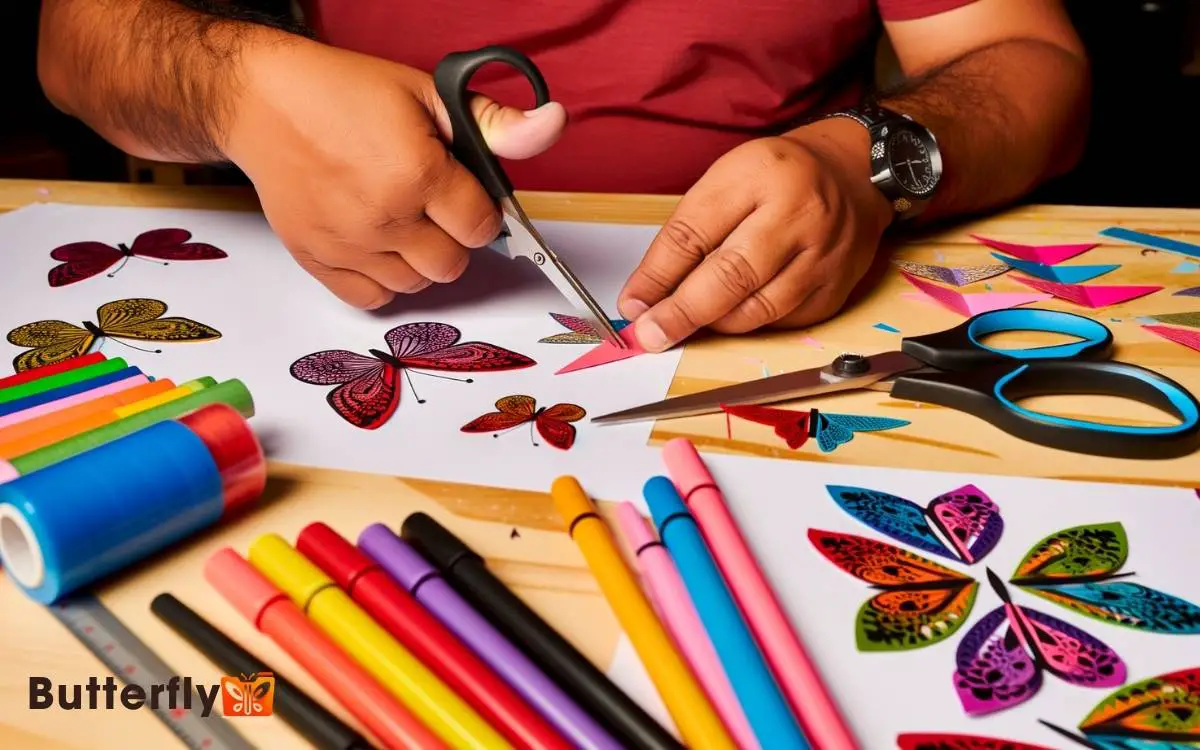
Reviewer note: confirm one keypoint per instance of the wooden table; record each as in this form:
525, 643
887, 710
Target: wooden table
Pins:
541, 563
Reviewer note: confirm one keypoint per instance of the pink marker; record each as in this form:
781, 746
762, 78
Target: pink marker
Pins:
814, 707
667, 593
73, 400
7, 472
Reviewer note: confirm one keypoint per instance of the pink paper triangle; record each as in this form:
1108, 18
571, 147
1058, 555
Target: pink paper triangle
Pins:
607, 352
1088, 295
1190, 339
1048, 254
972, 304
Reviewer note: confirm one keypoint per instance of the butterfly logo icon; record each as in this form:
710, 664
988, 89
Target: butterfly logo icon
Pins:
83, 260
553, 423
831, 431
252, 695
138, 319
368, 387
579, 331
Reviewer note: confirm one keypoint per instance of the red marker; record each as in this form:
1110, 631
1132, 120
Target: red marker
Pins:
37, 373
409, 622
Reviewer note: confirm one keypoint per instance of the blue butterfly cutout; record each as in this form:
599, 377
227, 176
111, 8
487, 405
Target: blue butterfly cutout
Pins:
833, 430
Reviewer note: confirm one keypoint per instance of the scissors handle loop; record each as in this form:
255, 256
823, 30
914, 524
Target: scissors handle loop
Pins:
962, 348
991, 393
451, 78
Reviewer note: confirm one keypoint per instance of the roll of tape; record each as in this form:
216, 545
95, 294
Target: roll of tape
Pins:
233, 445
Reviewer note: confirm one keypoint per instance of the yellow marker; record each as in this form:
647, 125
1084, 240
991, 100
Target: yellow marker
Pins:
186, 389
332, 610
687, 703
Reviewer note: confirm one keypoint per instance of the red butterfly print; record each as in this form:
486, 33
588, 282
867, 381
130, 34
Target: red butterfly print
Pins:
554, 423
368, 388
792, 426
959, 742
83, 260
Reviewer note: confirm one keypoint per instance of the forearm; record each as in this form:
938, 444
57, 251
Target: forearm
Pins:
1006, 117
158, 79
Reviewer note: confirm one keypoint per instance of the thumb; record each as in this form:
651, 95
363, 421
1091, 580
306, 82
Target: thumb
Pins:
510, 132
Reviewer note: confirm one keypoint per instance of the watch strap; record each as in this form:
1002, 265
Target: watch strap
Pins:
867, 114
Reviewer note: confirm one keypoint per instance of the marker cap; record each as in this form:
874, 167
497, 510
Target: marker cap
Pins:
438, 545
663, 499
570, 499
334, 554
633, 526
685, 465
404, 562
242, 586
288, 569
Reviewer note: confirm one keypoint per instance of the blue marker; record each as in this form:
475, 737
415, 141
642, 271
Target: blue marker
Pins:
768, 713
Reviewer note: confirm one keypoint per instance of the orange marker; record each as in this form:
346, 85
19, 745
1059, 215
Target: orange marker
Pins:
79, 411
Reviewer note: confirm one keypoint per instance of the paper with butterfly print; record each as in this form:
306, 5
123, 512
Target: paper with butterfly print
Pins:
381, 391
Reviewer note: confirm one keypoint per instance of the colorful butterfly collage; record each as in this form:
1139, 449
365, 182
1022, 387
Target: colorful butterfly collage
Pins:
1001, 660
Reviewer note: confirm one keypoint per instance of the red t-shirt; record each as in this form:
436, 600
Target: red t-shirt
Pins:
656, 90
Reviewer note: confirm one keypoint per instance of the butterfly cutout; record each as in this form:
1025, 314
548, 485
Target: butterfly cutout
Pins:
138, 319
922, 741
966, 517
579, 330
1002, 659
1161, 713
831, 431
553, 423
1076, 568
920, 602
368, 387
83, 260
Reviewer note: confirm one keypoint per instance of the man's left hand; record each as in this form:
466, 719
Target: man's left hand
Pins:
776, 233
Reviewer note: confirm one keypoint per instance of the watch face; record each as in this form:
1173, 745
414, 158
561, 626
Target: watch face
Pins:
911, 163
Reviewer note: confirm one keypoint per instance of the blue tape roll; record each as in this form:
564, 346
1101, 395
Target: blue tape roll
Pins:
55, 394
72, 523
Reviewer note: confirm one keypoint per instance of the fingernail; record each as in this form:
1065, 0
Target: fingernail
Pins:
650, 336
632, 308
539, 111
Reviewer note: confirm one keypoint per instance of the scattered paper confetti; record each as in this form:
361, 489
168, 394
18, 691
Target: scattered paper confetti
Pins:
1145, 320
987, 287
756, 361
1193, 291
812, 342
1190, 339
973, 304
1048, 254
1060, 274
1089, 295
1188, 266
886, 327
606, 353
1151, 240
515, 534
1187, 319
948, 275
939, 256
44, 192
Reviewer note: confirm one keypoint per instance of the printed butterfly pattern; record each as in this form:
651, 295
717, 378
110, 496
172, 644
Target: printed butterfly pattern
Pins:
138, 319
579, 331
553, 423
916, 741
831, 431
1161, 713
83, 260
921, 602
368, 387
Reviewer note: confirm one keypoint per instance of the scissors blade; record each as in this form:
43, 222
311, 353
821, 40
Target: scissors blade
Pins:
519, 239
770, 390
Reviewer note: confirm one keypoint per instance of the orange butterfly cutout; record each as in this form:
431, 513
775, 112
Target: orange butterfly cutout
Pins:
553, 423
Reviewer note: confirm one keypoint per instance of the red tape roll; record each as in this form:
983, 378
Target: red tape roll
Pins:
236, 450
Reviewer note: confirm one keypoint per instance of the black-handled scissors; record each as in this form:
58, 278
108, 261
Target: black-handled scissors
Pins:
956, 369
519, 239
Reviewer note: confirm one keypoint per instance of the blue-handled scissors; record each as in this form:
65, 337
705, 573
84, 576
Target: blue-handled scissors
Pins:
519, 238
956, 369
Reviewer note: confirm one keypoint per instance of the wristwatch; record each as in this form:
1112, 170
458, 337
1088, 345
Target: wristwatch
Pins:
906, 164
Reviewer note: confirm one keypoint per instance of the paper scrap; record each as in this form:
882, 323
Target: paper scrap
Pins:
1187, 319
886, 327
811, 342
1188, 266
1145, 320
950, 275
606, 353
1089, 295
973, 304
1193, 291
1190, 339
1048, 254
1060, 274
1151, 240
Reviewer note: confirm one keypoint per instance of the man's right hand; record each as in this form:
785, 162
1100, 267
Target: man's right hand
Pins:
349, 156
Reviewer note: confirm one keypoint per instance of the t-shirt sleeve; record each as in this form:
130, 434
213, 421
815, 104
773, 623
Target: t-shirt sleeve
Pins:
907, 10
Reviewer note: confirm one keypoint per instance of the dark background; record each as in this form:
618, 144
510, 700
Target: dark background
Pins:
1142, 147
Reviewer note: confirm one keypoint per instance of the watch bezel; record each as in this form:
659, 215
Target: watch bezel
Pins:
881, 163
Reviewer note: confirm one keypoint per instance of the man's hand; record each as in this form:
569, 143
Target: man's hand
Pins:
776, 233
348, 155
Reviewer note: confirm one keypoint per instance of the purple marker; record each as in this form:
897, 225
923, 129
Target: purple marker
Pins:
422, 580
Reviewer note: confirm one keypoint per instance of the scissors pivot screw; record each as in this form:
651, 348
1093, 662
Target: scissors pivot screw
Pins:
851, 364
539, 258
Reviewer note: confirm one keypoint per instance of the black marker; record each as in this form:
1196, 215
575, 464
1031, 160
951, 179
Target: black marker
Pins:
306, 716
575, 674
